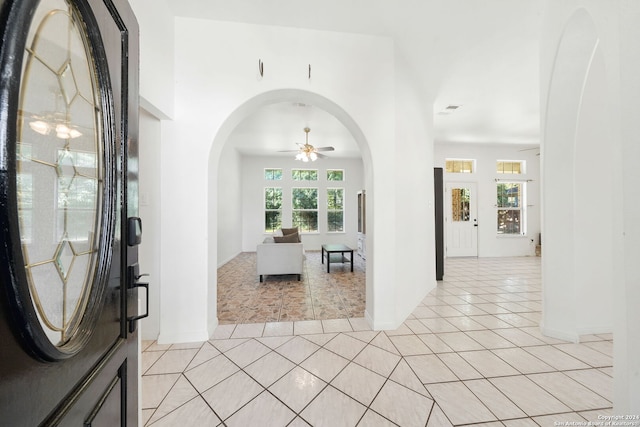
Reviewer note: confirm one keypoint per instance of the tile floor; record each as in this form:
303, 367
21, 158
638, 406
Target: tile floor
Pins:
470, 354
318, 296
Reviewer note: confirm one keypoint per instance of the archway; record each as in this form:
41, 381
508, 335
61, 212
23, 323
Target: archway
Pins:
577, 171
245, 110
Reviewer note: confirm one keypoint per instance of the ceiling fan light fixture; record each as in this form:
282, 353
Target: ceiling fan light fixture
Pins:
307, 152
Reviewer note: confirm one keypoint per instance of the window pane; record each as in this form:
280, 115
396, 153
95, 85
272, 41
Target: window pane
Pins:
460, 204
273, 209
305, 220
509, 195
335, 198
459, 166
25, 190
335, 175
335, 221
273, 198
335, 207
514, 167
273, 174
272, 221
304, 175
305, 198
509, 221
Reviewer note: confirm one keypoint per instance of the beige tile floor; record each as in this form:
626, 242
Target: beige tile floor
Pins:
470, 354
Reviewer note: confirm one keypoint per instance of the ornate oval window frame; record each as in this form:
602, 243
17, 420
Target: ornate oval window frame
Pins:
17, 295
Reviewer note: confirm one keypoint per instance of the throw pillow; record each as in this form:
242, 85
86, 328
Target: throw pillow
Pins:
287, 231
289, 238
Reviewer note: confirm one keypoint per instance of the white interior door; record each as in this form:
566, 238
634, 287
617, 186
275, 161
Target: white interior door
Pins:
461, 219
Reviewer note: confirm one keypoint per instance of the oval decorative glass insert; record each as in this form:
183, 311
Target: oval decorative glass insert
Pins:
60, 168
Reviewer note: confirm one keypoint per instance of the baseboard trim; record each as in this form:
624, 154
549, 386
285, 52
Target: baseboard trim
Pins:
213, 324
220, 264
381, 326
183, 337
560, 335
369, 319
595, 330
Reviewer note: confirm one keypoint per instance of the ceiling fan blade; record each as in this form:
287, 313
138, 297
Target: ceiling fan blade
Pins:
288, 151
321, 156
325, 149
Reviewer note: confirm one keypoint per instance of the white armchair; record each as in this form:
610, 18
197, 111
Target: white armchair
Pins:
280, 258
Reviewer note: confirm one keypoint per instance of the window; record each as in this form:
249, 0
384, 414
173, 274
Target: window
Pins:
510, 166
335, 209
335, 175
304, 174
510, 198
272, 209
273, 174
459, 166
305, 208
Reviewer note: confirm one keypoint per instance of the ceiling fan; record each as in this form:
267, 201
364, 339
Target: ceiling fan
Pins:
307, 151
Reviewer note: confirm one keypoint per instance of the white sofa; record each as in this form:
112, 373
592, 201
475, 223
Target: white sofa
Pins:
279, 258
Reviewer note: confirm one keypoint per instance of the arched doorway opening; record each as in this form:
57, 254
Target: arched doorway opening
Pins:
244, 111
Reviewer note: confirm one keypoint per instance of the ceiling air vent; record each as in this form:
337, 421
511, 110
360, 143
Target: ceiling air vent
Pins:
449, 109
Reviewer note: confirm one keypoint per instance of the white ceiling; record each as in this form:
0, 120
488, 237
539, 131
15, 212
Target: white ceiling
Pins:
479, 54
281, 126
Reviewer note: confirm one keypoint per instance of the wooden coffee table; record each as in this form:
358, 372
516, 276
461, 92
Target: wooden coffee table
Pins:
335, 250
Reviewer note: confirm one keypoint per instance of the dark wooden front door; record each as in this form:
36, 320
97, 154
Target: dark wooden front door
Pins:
68, 213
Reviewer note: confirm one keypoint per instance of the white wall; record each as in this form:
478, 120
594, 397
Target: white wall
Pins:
253, 198
157, 103
577, 121
413, 197
353, 80
149, 250
156, 56
230, 214
491, 244
627, 282
589, 96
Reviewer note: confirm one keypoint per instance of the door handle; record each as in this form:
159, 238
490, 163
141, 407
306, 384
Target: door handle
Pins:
132, 283
133, 319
